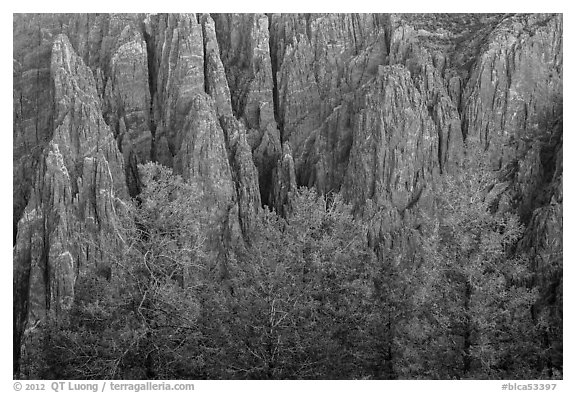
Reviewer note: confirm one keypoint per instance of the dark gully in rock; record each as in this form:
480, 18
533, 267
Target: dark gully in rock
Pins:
279, 196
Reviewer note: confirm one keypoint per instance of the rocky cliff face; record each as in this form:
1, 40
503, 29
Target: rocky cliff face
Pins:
250, 106
78, 185
245, 53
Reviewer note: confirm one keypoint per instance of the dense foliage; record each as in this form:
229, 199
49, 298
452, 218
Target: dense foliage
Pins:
309, 297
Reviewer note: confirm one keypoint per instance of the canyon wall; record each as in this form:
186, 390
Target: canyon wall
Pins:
249, 107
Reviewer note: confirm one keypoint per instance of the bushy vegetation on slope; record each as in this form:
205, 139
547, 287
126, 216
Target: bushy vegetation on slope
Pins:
308, 298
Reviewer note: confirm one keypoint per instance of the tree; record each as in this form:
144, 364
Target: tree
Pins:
299, 288
477, 296
444, 294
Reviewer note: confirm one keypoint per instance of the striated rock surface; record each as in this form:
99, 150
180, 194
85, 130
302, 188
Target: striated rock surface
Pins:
324, 159
176, 68
32, 90
516, 80
202, 157
245, 53
96, 38
127, 105
214, 74
284, 180
319, 58
71, 210
248, 107
295, 78
190, 96
244, 174
395, 147
203, 162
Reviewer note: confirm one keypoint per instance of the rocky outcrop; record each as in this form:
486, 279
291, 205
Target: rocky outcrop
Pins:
191, 97
176, 68
32, 90
298, 74
319, 59
203, 159
395, 147
284, 180
127, 105
214, 75
70, 218
298, 92
244, 174
247, 107
426, 45
324, 159
245, 53
517, 79
98, 39
215, 158
243, 171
